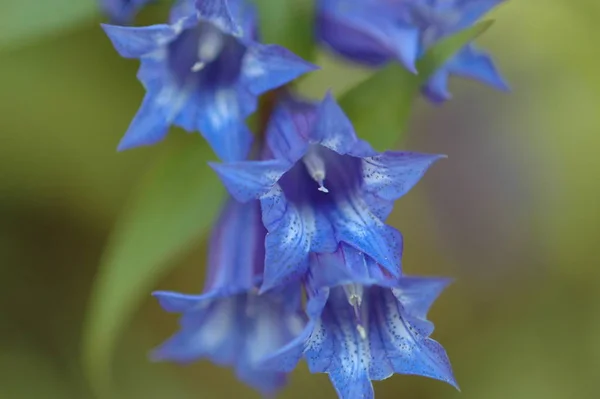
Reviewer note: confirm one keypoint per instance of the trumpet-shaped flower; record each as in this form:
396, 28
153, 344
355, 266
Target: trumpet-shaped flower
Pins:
365, 326
320, 186
374, 32
203, 72
230, 324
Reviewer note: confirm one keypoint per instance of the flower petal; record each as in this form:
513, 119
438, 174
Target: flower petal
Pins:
250, 180
218, 13
135, 42
269, 66
477, 65
356, 225
208, 332
149, 126
417, 294
392, 174
217, 116
408, 349
352, 385
332, 127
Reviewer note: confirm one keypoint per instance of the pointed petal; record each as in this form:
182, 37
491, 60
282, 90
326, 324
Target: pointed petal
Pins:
182, 9
289, 128
149, 126
332, 127
471, 11
352, 386
267, 67
217, 115
174, 302
218, 13
417, 294
477, 65
250, 180
135, 42
208, 332
356, 225
286, 358
392, 174
436, 88
408, 349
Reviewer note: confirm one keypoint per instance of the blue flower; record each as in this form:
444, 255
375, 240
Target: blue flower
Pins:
368, 32
438, 19
380, 31
365, 327
229, 323
122, 11
203, 72
320, 185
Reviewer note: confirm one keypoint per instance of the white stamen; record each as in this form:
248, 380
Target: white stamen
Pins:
361, 331
198, 66
315, 166
354, 293
210, 45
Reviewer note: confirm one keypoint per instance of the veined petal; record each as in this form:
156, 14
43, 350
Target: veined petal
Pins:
289, 242
218, 118
392, 174
135, 42
218, 13
417, 294
269, 66
149, 126
405, 340
250, 180
332, 127
352, 384
356, 225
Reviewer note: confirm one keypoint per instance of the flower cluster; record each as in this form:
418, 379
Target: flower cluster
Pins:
307, 210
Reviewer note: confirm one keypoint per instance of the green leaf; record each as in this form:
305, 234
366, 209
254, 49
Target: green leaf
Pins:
380, 105
289, 23
22, 21
170, 210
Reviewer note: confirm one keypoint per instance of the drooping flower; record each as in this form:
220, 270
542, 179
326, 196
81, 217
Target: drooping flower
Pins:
375, 32
203, 72
320, 185
229, 323
365, 326
438, 19
121, 12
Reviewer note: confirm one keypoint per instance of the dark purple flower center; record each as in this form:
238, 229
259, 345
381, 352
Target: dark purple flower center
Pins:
321, 176
206, 56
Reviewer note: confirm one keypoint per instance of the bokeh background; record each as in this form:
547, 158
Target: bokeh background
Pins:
513, 215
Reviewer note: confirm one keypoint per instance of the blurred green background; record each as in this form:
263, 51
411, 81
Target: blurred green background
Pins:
513, 214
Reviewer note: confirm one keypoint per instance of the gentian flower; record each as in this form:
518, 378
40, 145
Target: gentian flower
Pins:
121, 12
364, 325
320, 185
229, 323
203, 72
375, 32
438, 19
